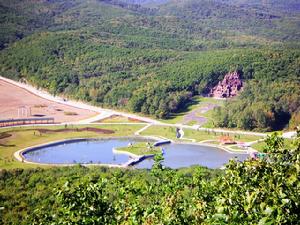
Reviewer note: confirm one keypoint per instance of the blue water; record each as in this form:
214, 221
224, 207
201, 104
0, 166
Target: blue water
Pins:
100, 151
185, 155
91, 151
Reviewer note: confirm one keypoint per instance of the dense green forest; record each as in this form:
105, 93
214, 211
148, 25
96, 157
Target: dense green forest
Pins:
153, 59
262, 191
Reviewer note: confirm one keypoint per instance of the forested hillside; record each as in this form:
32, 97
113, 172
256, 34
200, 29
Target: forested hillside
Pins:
288, 6
153, 60
146, 2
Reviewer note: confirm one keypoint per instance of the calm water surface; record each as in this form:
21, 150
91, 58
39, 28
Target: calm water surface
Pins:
100, 151
185, 155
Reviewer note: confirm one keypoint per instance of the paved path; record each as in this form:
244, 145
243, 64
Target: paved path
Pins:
141, 130
197, 116
105, 113
290, 134
181, 132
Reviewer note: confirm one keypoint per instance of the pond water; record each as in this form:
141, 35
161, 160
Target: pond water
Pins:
100, 151
185, 155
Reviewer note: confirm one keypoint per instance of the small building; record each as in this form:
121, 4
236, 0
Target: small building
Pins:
226, 140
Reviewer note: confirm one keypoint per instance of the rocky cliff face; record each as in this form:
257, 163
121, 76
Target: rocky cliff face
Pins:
228, 87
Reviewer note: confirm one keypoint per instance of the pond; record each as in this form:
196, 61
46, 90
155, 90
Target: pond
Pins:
185, 155
100, 151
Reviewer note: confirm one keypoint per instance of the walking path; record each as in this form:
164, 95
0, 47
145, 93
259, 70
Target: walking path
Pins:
141, 130
226, 148
105, 113
181, 132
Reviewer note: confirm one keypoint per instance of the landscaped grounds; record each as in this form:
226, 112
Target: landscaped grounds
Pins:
162, 196
199, 111
118, 119
23, 137
16, 138
197, 135
141, 148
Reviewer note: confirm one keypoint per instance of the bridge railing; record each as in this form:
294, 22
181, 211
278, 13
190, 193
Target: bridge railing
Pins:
25, 121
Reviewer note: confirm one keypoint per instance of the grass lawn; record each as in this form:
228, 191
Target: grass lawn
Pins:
170, 132
205, 135
162, 131
118, 119
209, 124
209, 115
141, 148
27, 136
260, 145
196, 102
212, 142
22, 137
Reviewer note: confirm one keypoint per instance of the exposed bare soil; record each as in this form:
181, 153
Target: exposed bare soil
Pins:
13, 98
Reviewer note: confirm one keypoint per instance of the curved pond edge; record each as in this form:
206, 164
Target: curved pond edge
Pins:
19, 155
224, 148
135, 158
116, 151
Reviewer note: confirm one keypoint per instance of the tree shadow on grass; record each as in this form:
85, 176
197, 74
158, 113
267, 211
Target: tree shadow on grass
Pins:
184, 109
4, 145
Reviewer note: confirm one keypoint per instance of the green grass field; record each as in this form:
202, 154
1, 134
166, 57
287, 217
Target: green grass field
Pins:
198, 101
14, 139
260, 145
141, 148
27, 136
206, 135
170, 132
118, 119
161, 131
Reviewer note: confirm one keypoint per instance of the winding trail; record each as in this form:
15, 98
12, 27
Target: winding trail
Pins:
105, 113
181, 132
102, 113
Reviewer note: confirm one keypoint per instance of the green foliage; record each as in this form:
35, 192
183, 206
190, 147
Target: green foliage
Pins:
273, 143
82, 204
263, 191
153, 60
263, 105
266, 191
140, 148
157, 166
155, 82
216, 19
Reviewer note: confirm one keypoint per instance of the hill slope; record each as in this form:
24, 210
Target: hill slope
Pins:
153, 60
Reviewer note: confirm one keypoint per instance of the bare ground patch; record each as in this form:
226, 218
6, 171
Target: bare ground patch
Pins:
197, 114
13, 99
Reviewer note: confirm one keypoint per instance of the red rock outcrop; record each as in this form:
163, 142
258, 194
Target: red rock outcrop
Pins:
228, 87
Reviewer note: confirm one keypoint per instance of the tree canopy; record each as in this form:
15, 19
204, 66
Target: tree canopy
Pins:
257, 191
153, 60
